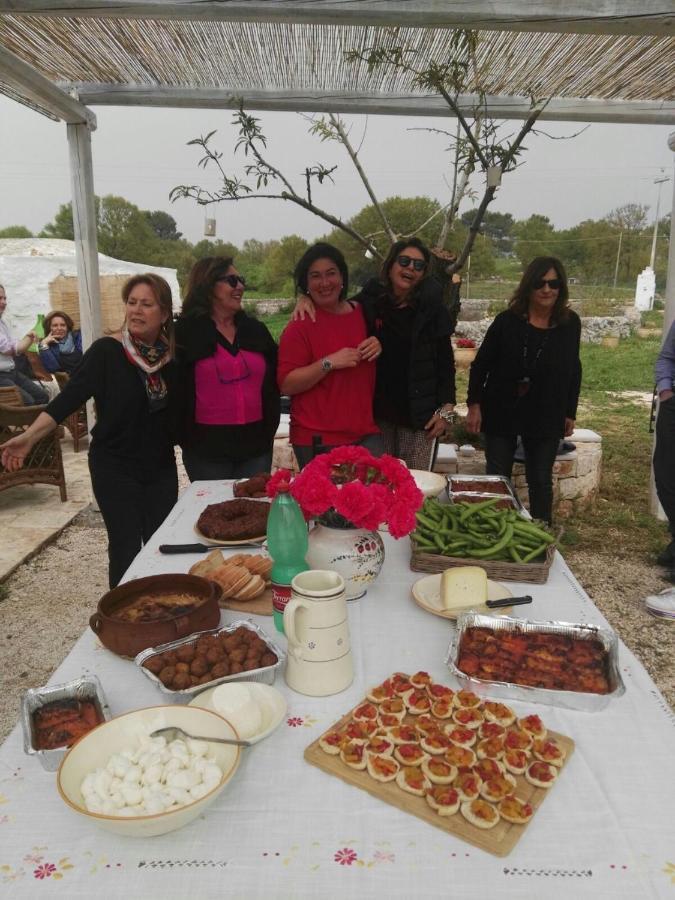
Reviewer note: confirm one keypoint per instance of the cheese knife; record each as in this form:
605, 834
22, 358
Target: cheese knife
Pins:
506, 601
203, 548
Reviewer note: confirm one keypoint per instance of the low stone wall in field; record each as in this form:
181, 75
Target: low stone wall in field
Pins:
593, 328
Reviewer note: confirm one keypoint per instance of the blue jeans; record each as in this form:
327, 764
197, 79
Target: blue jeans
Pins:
540, 454
201, 469
32, 394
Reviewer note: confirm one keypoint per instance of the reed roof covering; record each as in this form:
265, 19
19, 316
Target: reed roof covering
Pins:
89, 53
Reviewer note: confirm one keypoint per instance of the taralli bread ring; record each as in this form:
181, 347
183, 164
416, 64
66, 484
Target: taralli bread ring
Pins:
254, 588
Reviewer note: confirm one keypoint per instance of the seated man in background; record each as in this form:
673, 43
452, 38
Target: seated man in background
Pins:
32, 394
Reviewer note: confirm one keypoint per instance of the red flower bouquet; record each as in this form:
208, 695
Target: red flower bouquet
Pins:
466, 343
350, 487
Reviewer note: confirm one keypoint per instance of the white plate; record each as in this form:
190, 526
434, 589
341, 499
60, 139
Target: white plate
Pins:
272, 705
430, 483
427, 594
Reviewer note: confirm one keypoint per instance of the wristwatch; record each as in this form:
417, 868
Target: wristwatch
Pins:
326, 364
447, 415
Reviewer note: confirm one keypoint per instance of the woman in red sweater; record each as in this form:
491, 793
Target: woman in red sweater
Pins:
327, 367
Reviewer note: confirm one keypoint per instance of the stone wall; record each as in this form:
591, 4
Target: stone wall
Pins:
576, 475
593, 328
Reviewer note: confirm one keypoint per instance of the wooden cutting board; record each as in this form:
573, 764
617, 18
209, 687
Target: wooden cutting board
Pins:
259, 606
499, 840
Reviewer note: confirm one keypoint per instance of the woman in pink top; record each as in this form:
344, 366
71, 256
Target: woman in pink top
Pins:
229, 366
327, 367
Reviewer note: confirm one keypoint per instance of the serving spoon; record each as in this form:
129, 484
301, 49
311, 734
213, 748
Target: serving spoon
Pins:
174, 732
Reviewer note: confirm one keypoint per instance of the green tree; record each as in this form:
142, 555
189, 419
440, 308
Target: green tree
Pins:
497, 226
534, 237
123, 230
163, 225
62, 226
280, 263
15, 231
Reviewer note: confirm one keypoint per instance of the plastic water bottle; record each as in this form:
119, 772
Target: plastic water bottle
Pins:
287, 545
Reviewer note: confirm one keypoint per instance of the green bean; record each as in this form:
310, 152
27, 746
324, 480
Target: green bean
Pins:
495, 548
533, 554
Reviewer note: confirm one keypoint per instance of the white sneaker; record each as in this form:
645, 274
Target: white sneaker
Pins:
662, 604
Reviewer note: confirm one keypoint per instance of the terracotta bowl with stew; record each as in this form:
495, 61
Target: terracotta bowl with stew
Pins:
155, 610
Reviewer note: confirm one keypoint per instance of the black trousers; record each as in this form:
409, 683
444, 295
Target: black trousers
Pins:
540, 454
664, 460
133, 504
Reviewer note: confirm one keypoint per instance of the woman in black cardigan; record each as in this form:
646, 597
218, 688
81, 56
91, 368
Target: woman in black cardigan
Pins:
526, 379
228, 361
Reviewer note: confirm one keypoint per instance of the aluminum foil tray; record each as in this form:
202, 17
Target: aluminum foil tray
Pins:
476, 497
568, 699
456, 486
88, 687
264, 676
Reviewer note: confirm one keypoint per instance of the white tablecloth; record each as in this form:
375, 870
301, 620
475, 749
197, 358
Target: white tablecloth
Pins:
285, 829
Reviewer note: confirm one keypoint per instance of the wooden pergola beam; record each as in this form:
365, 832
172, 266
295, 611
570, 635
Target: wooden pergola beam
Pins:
501, 107
632, 17
28, 83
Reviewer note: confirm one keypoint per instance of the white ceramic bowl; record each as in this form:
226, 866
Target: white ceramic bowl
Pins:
95, 749
430, 483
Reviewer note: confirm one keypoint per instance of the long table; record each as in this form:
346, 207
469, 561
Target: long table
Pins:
283, 828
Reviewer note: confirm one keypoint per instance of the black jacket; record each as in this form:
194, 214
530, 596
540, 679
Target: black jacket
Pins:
196, 338
430, 376
513, 350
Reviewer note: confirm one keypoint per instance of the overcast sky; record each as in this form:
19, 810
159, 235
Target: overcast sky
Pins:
141, 154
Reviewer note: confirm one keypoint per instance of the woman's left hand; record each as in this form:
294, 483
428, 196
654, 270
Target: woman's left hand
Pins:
569, 427
370, 349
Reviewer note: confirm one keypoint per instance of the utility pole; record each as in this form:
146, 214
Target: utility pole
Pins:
618, 256
658, 181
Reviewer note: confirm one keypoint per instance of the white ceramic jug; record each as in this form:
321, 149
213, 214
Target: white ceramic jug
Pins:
315, 622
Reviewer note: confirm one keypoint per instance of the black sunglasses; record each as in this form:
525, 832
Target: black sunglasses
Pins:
241, 377
404, 261
233, 280
553, 283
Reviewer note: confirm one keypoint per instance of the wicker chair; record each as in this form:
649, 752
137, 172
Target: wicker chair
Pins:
44, 463
76, 422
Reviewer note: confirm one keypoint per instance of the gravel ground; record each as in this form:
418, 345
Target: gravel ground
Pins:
46, 603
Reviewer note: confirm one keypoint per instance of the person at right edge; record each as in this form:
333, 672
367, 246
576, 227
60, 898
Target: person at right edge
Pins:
526, 378
664, 451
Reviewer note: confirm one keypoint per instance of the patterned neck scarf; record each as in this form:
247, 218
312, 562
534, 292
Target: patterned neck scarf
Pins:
149, 359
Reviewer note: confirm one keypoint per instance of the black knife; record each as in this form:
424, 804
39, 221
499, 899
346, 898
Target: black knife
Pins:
185, 548
505, 601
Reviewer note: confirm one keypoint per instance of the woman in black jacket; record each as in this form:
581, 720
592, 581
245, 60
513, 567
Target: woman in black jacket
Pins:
526, 378
228, 361
415, 387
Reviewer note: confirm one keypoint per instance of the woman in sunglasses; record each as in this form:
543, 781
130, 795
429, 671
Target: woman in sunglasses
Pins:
229, 364
526, 379
326, 365
415, 385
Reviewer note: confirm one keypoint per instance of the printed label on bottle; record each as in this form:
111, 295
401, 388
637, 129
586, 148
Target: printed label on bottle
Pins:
281, 594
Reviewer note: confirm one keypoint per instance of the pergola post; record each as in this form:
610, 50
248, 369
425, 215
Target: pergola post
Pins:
84, 225
668, 317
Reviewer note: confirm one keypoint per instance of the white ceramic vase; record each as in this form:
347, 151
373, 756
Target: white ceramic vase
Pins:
356, 553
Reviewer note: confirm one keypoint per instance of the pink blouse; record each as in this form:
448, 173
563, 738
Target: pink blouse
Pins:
228, 389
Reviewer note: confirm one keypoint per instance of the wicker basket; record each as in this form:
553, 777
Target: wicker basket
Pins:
498, 570
64, 296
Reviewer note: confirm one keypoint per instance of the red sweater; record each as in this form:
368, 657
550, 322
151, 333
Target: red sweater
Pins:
340, 407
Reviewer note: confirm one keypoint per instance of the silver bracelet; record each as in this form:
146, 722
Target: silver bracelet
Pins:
447, 416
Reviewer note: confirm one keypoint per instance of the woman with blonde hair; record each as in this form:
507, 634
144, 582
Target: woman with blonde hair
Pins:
131, 376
